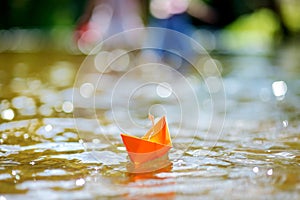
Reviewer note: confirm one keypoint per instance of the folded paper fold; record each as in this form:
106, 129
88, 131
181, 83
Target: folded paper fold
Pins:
154, 144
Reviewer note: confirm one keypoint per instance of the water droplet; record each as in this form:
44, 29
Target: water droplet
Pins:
285, 123
270, 172
255, 169
26, 136
279, 89
80, 182
48, 127
17, 177
13, 172
7, 114
121, 148
32, 163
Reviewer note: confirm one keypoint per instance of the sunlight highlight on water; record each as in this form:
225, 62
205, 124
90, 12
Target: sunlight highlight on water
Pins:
279, 89
7, 114
41, 154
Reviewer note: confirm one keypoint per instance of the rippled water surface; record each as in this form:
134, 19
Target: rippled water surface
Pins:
44, 152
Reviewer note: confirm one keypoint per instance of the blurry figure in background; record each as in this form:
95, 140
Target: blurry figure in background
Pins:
104, 18
181, 15
187, 16
176, 15
170, 14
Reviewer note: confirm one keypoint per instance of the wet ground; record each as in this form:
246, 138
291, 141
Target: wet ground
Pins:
44, 152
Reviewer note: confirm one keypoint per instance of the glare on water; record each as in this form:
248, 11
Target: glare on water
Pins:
41, 153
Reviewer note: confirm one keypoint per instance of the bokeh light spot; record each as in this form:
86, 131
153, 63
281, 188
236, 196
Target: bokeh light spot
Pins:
279, 89
86, 90
67, 107
164, 90
255, 169
7, 114
270, 172
48, 127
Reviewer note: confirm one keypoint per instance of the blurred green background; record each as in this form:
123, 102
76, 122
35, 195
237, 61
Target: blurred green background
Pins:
39, 14
33, 25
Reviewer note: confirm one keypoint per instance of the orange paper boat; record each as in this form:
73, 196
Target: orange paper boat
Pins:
154, 144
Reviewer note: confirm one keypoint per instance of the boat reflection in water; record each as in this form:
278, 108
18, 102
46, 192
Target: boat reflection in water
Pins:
149, 184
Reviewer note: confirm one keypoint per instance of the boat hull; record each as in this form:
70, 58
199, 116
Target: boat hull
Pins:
141, 150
